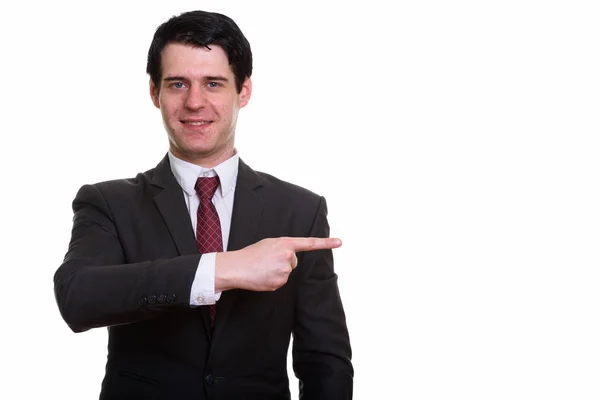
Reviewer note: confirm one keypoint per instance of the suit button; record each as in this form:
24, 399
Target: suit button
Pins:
162, 299
152, 299
142, 301
209, 380
171, 298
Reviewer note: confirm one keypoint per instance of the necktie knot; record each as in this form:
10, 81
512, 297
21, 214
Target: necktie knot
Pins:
206, 187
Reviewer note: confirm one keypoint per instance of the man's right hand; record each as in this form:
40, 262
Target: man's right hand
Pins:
265, 265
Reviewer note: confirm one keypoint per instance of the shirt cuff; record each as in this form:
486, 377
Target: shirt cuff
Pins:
203, 287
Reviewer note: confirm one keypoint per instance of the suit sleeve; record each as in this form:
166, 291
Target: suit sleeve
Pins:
95, 287
321, 348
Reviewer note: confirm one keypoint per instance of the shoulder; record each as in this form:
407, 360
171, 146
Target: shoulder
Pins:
132, 184
277, 190
117, 190
253, 179
281, 190
159, 176
283, 197
287, 188
138, 182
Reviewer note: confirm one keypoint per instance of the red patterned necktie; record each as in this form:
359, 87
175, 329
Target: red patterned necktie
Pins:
208, 230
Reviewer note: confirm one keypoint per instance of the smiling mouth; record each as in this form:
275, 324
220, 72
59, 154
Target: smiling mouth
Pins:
196, 123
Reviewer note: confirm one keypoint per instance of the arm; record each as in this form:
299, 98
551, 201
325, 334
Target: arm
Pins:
321, 349
95, 286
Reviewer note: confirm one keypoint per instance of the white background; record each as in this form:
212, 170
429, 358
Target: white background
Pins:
456, 143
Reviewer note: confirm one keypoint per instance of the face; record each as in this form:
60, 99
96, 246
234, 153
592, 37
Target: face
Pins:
199, 102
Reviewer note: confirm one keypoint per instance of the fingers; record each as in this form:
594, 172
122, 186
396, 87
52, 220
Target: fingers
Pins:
310, 243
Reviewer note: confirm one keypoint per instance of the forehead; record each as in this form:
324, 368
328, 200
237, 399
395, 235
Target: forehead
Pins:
184, 60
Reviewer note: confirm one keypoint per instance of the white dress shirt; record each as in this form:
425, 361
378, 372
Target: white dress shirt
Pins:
186, 174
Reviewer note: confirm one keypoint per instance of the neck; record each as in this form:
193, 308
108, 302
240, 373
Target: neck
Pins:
206, 160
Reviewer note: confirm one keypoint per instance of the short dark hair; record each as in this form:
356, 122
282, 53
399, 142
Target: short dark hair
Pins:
201, 29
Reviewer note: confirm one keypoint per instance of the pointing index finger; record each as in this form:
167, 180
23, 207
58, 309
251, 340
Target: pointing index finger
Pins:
312, 243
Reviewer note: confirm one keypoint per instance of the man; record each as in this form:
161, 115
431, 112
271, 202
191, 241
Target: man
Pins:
186, 319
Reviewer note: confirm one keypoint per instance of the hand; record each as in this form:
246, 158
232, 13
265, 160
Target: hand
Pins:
265, 265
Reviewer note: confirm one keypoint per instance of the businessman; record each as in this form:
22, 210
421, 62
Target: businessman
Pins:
202, 268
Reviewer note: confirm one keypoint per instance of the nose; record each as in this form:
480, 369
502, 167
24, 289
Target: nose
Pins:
195, 98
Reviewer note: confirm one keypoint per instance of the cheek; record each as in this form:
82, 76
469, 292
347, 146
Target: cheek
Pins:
169, 106
226, 111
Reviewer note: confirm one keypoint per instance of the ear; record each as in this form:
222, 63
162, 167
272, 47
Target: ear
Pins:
245, 93
154, 94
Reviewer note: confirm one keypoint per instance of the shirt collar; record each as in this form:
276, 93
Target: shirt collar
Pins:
187, 173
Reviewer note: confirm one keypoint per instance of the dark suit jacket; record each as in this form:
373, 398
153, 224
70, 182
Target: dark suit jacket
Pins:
130, 266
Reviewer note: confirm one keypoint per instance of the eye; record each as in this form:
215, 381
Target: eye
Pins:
178, 85
213, 84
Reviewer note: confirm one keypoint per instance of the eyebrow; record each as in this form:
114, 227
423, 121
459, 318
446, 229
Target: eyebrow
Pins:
216, 78
173, 78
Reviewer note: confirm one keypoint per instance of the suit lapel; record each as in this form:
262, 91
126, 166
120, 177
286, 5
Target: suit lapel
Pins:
245, 218
247, 208
171, 204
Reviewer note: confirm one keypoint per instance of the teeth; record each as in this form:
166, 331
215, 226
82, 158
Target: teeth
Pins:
197, 123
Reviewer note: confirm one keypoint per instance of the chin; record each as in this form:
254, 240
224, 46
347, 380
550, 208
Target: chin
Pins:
198, 146
199, 151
